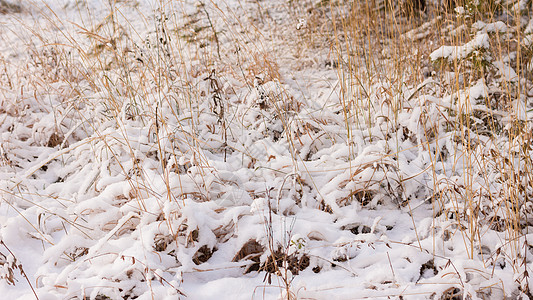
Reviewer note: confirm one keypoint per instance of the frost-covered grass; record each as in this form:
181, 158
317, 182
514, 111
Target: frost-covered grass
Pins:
265, 149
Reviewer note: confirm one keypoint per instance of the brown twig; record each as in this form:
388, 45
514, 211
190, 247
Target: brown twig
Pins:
19, 266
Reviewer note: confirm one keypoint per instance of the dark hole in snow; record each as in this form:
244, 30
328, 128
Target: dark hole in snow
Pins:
276, 135
452, 293
428, 269
340, 258
357, 229
364, 197
251, 250
366, 229
331, 63
295, 262
161, 242
303, 263
193, 236
203, 254
54, 140
325, 207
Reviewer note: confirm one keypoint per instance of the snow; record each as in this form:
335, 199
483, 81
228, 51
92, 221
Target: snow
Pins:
498, 26
134, 162
453, 53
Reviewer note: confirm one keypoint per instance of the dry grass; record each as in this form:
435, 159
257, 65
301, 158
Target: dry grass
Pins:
488, 185
178, 89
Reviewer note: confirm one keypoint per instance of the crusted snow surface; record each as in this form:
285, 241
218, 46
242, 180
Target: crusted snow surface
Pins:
137, 185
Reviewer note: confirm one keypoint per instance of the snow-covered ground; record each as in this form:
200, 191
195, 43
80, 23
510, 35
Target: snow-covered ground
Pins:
239, 150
